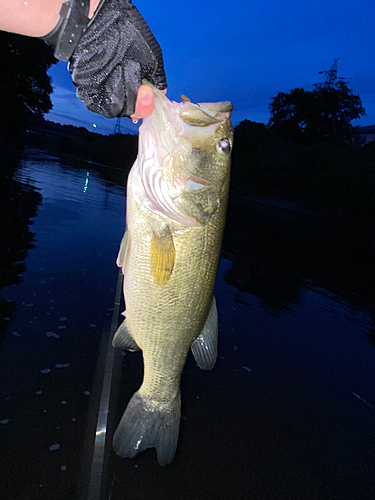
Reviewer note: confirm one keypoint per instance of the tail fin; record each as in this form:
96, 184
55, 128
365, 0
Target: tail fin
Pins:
147, 425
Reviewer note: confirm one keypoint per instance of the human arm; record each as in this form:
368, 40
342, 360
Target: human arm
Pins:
113, 93
33, 17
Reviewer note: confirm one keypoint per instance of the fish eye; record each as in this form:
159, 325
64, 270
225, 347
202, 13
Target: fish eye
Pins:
223, 146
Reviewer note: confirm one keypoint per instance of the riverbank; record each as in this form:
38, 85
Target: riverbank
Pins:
294, 212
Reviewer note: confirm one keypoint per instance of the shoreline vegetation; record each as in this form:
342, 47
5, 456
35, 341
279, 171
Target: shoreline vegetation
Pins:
270, 175
334, 181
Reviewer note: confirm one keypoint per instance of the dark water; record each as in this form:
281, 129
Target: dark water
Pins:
288, 411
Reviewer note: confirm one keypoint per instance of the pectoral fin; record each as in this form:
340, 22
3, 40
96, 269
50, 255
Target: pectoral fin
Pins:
124, 250
204, 348
123, 340
162, 255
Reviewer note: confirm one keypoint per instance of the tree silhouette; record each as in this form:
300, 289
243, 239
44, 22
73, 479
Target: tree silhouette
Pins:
321, 115
25, 85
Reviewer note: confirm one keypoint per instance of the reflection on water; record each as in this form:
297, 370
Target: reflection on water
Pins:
273, 257
287, 413
16, 208
61, 301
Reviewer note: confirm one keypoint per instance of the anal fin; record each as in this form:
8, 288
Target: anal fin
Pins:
123, 340
204, 348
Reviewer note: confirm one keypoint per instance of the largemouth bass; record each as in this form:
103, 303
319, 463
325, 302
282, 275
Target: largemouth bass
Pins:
176, 204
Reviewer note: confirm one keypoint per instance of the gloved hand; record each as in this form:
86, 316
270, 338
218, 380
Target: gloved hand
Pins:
112, 57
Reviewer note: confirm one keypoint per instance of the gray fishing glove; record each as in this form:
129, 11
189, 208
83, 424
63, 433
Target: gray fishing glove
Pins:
114, 53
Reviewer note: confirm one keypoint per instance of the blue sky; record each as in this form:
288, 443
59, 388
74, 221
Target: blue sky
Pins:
246, 52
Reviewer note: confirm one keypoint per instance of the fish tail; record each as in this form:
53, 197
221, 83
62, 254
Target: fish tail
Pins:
145, 424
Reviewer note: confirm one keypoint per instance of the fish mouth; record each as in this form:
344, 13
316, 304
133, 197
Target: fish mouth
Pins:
221, 111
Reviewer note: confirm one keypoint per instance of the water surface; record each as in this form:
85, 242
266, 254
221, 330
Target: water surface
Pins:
54, 320
288, 411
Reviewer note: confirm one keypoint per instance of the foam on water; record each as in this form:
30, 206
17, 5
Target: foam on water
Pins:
52, 334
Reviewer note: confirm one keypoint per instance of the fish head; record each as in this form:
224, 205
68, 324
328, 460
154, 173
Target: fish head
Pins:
184, 159
208, 134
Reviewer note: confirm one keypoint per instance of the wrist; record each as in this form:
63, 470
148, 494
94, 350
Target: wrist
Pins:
66, 34
53, 17
30, 18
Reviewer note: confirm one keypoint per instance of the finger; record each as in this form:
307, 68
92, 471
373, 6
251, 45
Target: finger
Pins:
145, 103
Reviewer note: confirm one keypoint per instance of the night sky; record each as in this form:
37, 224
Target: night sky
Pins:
246, 52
